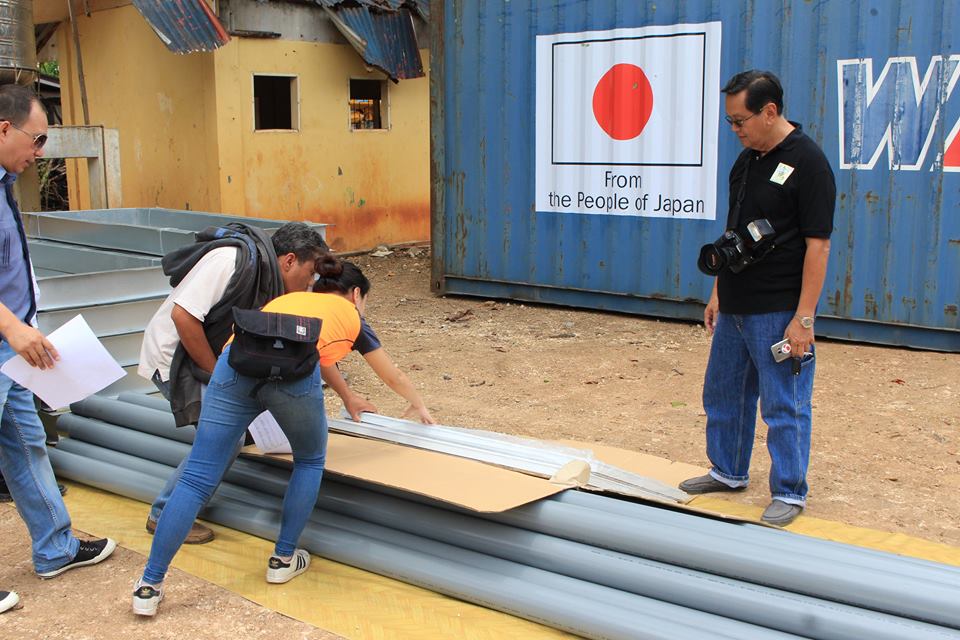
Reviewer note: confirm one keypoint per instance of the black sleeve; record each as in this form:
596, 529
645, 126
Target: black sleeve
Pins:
817, 199
367, 341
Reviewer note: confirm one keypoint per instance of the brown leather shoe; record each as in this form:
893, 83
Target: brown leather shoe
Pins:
199, 534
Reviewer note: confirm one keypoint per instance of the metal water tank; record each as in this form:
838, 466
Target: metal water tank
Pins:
18, 45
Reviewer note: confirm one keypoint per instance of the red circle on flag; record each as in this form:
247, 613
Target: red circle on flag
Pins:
623, 101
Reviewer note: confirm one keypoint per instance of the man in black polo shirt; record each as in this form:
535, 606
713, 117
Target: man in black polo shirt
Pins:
784, 177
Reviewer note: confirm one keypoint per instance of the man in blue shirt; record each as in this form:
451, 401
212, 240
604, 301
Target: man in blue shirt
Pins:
23, 452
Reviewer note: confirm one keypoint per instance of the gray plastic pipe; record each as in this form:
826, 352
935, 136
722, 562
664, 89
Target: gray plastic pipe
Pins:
130, 415
156, 469
751, 533
151, 402
788, 612
758, 605
694, 549
744, 533
562, 610
765, 565
639, 606
763, 606
118, 438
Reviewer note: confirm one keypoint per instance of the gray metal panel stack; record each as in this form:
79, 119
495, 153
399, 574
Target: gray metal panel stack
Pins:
105, 265
148, 231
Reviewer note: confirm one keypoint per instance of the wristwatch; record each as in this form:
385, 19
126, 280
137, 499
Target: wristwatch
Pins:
805, 321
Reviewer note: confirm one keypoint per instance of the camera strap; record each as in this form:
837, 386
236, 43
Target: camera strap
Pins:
733, 220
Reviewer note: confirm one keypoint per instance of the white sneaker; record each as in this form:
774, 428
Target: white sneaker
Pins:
8, 600
146, 599
279, 571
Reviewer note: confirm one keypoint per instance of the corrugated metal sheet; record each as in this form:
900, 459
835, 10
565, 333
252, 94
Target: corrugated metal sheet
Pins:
874, 82
422, 7
184, 26
382, 33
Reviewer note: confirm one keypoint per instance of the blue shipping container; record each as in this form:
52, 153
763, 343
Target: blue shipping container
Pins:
529, 205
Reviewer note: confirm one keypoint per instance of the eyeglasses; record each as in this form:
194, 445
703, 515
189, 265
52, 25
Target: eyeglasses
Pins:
738, 122
39, 139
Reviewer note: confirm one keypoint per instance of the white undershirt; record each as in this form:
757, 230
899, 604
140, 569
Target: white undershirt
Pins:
197, 293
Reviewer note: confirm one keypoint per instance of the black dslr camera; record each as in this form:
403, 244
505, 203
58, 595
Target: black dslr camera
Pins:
730, 250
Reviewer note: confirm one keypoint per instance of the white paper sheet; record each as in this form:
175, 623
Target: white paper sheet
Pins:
84, 368
268, 435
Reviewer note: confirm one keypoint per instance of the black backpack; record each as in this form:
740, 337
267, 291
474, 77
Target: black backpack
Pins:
274, 346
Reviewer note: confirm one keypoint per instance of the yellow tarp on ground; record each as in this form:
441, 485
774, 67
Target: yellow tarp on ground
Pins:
355, 604
361, 605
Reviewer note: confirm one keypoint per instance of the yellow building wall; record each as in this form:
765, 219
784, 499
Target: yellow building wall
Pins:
160, 102
187, 138
373, 186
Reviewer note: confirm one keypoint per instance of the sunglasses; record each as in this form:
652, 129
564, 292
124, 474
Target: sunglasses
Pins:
738, 122
39, 139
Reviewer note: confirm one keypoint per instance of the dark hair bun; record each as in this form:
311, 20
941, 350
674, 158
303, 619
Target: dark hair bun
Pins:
328, 266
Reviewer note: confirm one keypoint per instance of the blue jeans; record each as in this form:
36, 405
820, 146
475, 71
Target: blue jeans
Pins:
30, 479
164, 497
742, 370
227, 410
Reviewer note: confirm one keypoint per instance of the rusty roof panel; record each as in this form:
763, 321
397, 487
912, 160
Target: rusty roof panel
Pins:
382, 32
184, 26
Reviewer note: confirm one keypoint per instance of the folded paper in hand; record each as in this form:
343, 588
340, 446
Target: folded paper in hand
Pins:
85, 367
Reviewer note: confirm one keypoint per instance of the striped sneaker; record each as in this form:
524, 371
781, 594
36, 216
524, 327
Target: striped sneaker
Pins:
279, 571
146, 598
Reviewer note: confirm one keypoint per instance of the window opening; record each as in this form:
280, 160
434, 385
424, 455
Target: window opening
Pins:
275, 103
366, 104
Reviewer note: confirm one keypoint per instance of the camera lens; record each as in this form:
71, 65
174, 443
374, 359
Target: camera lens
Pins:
712, 259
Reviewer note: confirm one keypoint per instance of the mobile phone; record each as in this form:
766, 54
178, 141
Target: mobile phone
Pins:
781, 350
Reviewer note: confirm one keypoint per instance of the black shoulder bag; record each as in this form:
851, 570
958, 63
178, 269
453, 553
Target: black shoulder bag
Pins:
273, 346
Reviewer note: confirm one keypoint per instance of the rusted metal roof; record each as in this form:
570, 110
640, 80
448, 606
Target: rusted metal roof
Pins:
184, 26
421, 7
382, 32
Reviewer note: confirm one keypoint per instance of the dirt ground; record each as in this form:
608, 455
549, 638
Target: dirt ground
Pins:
93, 603
886, 449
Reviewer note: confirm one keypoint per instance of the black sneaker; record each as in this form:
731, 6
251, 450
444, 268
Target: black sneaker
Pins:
8, 600
6, 497
90, 552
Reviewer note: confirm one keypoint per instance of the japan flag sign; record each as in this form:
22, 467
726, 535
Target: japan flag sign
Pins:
644, 102
630, 100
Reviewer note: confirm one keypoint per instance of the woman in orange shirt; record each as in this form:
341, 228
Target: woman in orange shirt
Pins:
233, 400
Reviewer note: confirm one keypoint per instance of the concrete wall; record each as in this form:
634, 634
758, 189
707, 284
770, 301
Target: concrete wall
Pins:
157, 100
187, 134
373, 185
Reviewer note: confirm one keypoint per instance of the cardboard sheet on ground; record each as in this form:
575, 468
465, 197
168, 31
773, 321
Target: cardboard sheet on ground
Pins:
479, 486
664, 470
467, 483
474, 485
